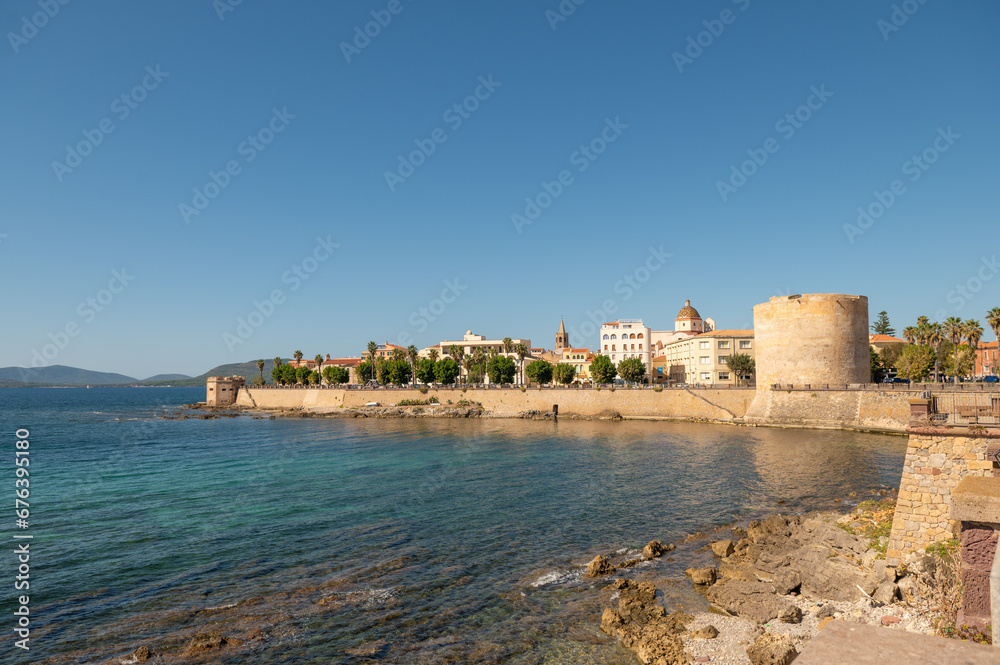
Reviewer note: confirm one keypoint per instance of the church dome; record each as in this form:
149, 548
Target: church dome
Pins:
688, 312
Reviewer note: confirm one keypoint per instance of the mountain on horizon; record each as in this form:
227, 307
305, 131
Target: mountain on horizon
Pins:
167, 377
61, 374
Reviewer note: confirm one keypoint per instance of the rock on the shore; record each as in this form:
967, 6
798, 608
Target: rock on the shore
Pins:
599, 566
702, 576
644, 627
769, 649
203, 642
723, 548
706, 633
656, 549
756, 601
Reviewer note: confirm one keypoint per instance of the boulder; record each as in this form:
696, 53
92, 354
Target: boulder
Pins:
706, 633
886, 593
704, 575
203, 642
656, 549
787, 583
825, 611
791, 614
644, 627
599, 566
751, 600
770, 649
723, 548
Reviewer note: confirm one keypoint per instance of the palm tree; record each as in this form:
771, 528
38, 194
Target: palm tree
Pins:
398, 354
954, 329
973, 333
993, 319
260, 368
508, 344
479, 356
298, 357
411, 352
372, 350
457, 351
910, 334
923, 321
433, 355
319, 366
468, 362
521, 350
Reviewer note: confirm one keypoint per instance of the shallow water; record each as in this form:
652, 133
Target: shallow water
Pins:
452, 540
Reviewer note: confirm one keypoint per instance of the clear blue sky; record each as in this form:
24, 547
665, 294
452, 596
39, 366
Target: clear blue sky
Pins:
608, 68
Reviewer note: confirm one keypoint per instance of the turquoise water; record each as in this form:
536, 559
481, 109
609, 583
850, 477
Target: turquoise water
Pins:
453, 541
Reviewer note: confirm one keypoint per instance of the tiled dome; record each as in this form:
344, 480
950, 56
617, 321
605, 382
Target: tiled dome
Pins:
688, 312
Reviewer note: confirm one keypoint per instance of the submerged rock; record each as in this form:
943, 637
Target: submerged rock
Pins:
656, 549
644, 627
599, 566
701, 576
203, 642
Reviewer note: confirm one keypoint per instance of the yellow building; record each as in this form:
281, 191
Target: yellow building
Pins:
580, 359
701, 359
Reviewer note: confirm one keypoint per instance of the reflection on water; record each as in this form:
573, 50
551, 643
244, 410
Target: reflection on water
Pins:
438, 541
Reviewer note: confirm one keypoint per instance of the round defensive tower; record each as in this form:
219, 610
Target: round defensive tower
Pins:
817, 338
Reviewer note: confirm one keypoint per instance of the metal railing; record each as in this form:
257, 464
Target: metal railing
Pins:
967, 408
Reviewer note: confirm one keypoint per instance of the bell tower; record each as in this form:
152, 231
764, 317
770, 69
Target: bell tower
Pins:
562, 338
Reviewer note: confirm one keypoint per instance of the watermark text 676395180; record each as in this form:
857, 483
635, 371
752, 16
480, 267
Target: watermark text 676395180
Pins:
22, 546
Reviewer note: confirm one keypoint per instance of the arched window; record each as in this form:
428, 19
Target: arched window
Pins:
633, 336
605, 337
613, 337
640, 335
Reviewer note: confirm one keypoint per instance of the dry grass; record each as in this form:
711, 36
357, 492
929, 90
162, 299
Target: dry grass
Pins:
941, 586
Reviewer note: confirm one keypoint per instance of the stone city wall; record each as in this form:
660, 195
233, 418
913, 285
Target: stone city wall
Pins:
936, 461
877, 410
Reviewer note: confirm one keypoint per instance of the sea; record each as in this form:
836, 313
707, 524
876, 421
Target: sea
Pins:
310, 540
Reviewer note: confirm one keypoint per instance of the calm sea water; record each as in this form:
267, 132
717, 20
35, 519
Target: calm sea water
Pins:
452, 541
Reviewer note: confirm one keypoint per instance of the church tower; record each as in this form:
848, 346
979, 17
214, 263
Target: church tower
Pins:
562, 338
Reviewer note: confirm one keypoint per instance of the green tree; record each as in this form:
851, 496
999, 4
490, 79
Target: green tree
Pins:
433, 354
382, 370
564, 373
522, 352
425, 370
479, 359
501, 370
603, 370
632, 370
314, 377
507, 344
412, 354
336, 375
260, 368
742, 366
954, 330
915, 362
961, 361
297, 355
882, 326
993, 320
276, 374
398, 355
457, 352
372, 350
399, 371
365, 371
878, 369
318, 359
910, 334
539, 371
445, 371
973, 333
302, 374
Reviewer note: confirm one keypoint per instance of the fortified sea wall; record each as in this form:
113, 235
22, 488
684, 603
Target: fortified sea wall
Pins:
836, 409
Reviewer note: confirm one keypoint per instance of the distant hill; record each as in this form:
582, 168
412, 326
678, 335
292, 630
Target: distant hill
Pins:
247, 369
166, 377
63, 375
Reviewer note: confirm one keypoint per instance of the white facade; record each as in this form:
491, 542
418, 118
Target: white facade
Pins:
625, 338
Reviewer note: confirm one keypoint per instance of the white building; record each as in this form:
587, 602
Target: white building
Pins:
626, 338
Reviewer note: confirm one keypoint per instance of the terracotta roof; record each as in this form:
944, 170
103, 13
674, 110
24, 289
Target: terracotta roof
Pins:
726, 333
613, 323
576, 350
884, 338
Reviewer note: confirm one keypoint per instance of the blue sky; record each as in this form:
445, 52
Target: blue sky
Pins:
621, 143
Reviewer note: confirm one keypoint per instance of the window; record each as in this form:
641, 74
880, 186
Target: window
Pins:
605, 337
724, 344
722, 360
632, 336
706, 376
640, 347
612, 347
704, 345
633, 347
706, 360
745, 344
723, 376
605, 346
613, 337
640, 335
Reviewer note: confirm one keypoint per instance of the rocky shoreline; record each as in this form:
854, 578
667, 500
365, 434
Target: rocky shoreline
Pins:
773, 586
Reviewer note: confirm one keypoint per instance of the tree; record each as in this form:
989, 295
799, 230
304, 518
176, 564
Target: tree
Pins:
433, 355
501, 370
289, 374
993, 319
479, 360
915, 362
910, 334
507, 344
398, 355
372, 350
445, 371
276, 374
742, 366
411, 353
468, 363
522, 351
382, 370
564, 373
314, 377
882, 326
961, 361
954, 330
336, 375
457, 352
603, 370
365, 371
424, 372
398, 371
632, 370
973, 333
319, 363
260, 368
539, 371
877, 368
933, 336
297, 355
302, 374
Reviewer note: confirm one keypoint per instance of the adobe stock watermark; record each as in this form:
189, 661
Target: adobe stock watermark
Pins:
581, 158
713, 30
249, 148
31, 25
626, 288
914, 167
122, 106
786, 126
455, 116
965, 292
562, 12
87, 312
363, 36
421, 319
294, 277
900, 15
223, 7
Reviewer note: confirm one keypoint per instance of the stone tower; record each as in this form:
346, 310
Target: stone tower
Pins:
562, 337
